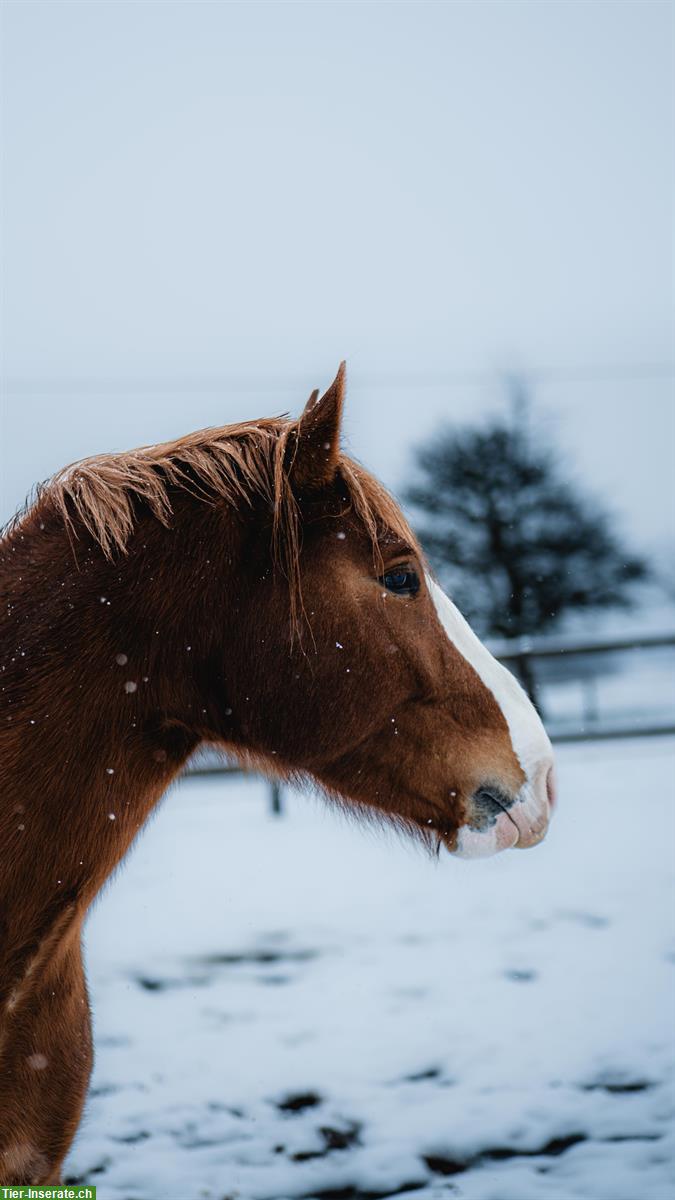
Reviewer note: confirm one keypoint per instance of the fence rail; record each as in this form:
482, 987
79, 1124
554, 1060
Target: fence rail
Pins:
616, 687
547, 648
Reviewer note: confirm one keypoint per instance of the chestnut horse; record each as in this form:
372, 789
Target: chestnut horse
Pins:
248, 586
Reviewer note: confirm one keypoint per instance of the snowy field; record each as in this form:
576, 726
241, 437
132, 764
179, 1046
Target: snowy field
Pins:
304, 1008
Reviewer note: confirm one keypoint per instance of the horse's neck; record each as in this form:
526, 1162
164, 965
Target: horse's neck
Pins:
92, 721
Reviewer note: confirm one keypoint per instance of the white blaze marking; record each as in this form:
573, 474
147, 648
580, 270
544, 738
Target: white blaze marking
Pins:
528, 736
529, 739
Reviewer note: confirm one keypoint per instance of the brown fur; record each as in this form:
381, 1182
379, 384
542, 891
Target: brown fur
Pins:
186, 593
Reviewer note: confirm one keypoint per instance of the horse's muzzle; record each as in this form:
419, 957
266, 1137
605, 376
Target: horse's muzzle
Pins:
498, 822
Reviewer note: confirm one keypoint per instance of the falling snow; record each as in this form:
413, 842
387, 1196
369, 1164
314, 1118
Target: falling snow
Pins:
37, 1062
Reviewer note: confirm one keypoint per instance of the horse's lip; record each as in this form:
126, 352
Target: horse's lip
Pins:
530, 834
533, 817
551, 788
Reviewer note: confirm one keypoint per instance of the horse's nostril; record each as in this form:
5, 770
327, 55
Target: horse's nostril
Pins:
551, 788
486, 806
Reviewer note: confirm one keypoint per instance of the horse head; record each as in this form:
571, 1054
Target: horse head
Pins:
345, 662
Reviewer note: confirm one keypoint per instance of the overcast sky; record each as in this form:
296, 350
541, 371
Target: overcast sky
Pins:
207, 205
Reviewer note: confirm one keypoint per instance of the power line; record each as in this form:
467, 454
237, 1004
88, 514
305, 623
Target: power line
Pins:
607, 373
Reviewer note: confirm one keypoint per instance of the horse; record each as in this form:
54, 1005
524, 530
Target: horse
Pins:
252, 587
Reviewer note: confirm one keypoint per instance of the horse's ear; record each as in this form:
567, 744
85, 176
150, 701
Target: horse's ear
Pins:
317, 437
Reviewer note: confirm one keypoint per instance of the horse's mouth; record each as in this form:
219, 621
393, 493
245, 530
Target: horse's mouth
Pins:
499, 822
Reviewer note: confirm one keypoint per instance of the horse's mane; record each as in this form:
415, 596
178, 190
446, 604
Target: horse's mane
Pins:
236, 463
241, 464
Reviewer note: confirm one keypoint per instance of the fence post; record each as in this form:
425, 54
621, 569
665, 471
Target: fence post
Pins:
275, 798
590, 691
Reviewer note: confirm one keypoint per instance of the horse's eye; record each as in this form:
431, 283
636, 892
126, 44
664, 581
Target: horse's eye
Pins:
404, 581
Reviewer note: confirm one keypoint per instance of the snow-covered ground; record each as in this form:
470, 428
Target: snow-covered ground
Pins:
301, 1007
